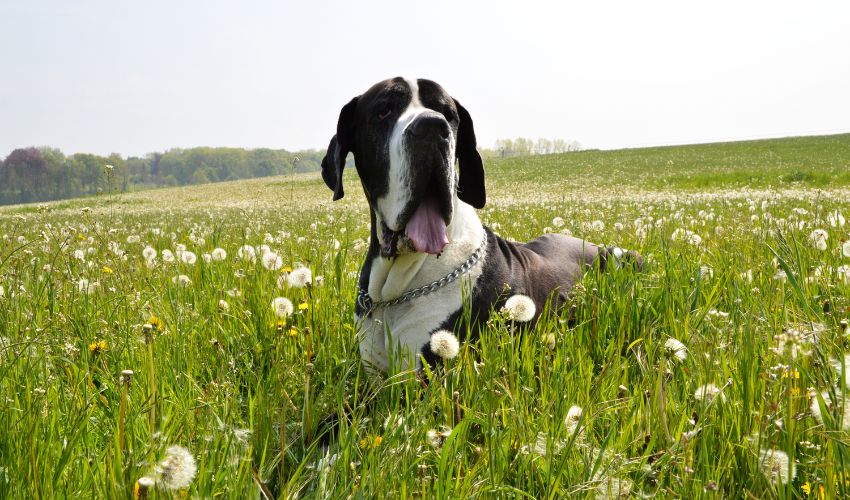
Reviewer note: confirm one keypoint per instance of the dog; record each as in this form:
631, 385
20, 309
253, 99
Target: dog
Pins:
426, 241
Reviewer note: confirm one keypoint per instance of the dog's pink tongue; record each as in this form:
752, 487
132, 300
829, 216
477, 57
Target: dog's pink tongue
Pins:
427, 229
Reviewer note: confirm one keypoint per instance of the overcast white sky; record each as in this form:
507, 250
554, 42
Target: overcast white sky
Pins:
135, 77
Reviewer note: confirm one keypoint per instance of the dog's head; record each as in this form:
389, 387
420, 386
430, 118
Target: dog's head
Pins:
405, 136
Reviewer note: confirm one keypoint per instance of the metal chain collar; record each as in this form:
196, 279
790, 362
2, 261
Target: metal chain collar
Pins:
365, 301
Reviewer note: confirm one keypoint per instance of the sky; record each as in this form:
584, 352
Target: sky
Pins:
136, 77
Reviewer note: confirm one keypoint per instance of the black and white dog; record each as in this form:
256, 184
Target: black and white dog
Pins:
427, 241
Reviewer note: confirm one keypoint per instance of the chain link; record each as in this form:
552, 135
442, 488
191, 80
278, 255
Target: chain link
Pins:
366, 302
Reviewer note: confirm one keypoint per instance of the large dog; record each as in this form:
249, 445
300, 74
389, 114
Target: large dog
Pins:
427, 243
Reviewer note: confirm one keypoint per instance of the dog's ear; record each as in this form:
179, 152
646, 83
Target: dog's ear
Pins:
334, 161
470, 185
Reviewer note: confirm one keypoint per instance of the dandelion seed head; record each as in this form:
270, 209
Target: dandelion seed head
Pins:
272, 261
282, 307
168, 256
775, 466
188, 257
444, 344
149, 253
178, 469
219, 254
676, 348
247, 253
708, 392
299, 277
520, 308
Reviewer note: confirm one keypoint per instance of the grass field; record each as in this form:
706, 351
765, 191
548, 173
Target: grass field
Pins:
747, 271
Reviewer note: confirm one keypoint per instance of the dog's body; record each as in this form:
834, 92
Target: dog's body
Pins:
405, 136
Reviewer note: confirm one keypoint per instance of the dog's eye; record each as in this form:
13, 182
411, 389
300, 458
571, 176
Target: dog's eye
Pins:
385, 113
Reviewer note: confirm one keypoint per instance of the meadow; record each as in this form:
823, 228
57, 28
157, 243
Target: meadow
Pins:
146, 347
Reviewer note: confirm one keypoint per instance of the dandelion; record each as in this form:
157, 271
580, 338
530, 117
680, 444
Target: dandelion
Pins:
612, 487
2, 292
818, 239
167, 256
844, 273
181, 280
149, 253
549, 341
300, 277
845, 248
558, 222
156, 323
676, 349
247, 253
84, 286
444, 344
687, 236
776, 466
835, 219
207, 258
706, 272
178, 468
80, 255
188, 257
319, 281
143, 486
708, 392
223, 305
219, 254
370, 443
572, 420
97, 347
272, 261
815, 408
520, 308
282, 307
303, 306
436, 438
132, 239
845, 369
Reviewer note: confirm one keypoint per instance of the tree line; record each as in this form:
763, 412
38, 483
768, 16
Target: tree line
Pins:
42, 174
31, 174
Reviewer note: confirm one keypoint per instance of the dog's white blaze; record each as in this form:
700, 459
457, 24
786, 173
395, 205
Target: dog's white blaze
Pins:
410, 324
398, 191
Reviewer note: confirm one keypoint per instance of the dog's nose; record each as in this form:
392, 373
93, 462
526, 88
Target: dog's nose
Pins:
430, 126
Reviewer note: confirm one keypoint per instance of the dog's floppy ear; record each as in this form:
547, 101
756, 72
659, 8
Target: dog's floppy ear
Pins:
338, 149
470, 185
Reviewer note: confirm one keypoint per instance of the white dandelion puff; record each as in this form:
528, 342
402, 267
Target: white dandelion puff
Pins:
844, 273
836, 219
84, 286
845, 248
436, 437
219, 254
845, 370
708, 392
776, 466
247, 252
612, 487
272, 261
444, 344
573, 418
178, 469
818, 239
558, 222
167, 256
520, 308
80, 255
133, 239
676, 348
188, 257
149, 253
845, 409
282, 307
181, 280
223, 305
207, 258
299, 277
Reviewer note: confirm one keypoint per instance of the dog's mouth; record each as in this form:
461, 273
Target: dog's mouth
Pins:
423, 228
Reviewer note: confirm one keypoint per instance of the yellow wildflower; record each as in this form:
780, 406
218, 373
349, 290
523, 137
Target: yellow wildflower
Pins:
156, 323
97, 347
303, 306
368, 443
107, 270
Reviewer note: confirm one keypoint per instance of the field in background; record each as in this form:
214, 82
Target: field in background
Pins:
748, 267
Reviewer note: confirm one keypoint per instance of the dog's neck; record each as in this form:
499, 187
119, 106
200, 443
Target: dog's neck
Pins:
389, 277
